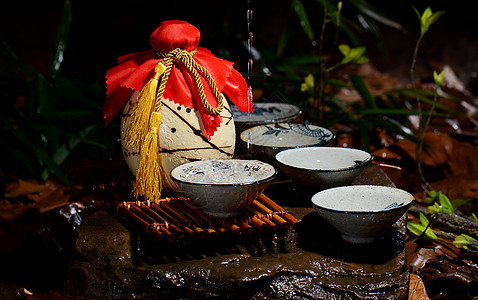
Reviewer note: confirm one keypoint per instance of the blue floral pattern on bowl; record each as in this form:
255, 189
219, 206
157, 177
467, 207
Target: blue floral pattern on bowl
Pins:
266, 113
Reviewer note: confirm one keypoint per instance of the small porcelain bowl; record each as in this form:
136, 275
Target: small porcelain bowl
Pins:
265, 141
362, 212
265, 113
223, 187
318, 168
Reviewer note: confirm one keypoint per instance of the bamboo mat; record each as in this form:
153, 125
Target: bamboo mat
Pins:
177, 218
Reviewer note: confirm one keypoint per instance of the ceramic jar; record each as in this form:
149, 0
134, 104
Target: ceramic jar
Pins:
180, 139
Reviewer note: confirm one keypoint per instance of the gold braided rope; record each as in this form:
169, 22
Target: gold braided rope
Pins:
186, 58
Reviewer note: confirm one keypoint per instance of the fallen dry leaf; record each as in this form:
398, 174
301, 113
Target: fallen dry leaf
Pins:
46, 197
418, 259
11, 211
440, 152
21, 187
51, 199
458, 186
417, 289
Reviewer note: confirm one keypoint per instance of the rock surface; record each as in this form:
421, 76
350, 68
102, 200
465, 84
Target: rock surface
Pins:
112, 261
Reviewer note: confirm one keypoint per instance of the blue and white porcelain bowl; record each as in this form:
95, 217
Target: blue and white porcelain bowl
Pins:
318, 168
265, 113
362, 213
265, 141
223, 187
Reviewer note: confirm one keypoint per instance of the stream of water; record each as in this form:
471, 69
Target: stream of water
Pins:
250, 62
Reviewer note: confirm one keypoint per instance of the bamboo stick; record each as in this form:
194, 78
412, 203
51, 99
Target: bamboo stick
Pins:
179, 205
272, 226
201, 233
236, 230
171, 218
158, 218
169, 235
246, 228
123, 210
204, 217
283, 224
286, 215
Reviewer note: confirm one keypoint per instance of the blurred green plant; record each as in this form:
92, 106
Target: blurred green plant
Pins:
361, 17
45, 117
321, 104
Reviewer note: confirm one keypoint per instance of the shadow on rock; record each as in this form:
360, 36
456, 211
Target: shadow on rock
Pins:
317, 235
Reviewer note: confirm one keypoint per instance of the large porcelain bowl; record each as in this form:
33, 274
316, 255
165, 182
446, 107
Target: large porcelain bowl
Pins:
265, 141
318, 168
223, 188
362, 212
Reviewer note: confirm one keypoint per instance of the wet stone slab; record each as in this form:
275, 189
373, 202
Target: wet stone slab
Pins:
112, 261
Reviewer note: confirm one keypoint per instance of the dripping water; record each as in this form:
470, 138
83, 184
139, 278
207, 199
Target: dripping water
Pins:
249, 66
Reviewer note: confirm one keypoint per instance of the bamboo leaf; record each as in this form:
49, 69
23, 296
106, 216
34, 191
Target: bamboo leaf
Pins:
61, 40
301, 14
38, 152
368, 10
363, 90
362, 127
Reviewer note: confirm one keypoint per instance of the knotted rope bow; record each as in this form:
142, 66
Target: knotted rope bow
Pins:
142, 130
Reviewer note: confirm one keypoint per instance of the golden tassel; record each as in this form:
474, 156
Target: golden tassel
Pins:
148, 171
141, 111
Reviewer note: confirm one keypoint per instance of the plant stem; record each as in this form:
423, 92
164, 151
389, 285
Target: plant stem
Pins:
421, 129
322, 72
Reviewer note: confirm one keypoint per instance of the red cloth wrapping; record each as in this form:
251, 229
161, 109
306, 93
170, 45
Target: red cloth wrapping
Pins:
134, 71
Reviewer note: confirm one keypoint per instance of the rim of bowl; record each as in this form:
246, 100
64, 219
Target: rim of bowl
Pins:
364, 163
406, 204
287, 147
277, 120
269, 178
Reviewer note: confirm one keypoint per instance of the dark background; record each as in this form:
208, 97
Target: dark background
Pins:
103, 30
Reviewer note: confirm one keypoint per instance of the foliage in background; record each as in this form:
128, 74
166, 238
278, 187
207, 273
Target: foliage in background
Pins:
318, 95
45, 117
358, 17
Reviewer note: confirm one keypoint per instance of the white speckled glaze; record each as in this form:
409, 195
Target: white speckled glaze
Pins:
223, 188
178, 138
318, 168
362, 212
265, 141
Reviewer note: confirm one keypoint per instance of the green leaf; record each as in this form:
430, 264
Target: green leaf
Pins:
445, 203
474, 217
61, 39
363, 90
308, 84
344, 49
438, 78
427, 18
464, 241
391, 125
301, 14
362, 127
418, 229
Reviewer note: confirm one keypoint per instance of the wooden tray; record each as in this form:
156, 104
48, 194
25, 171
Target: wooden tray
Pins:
174, 218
